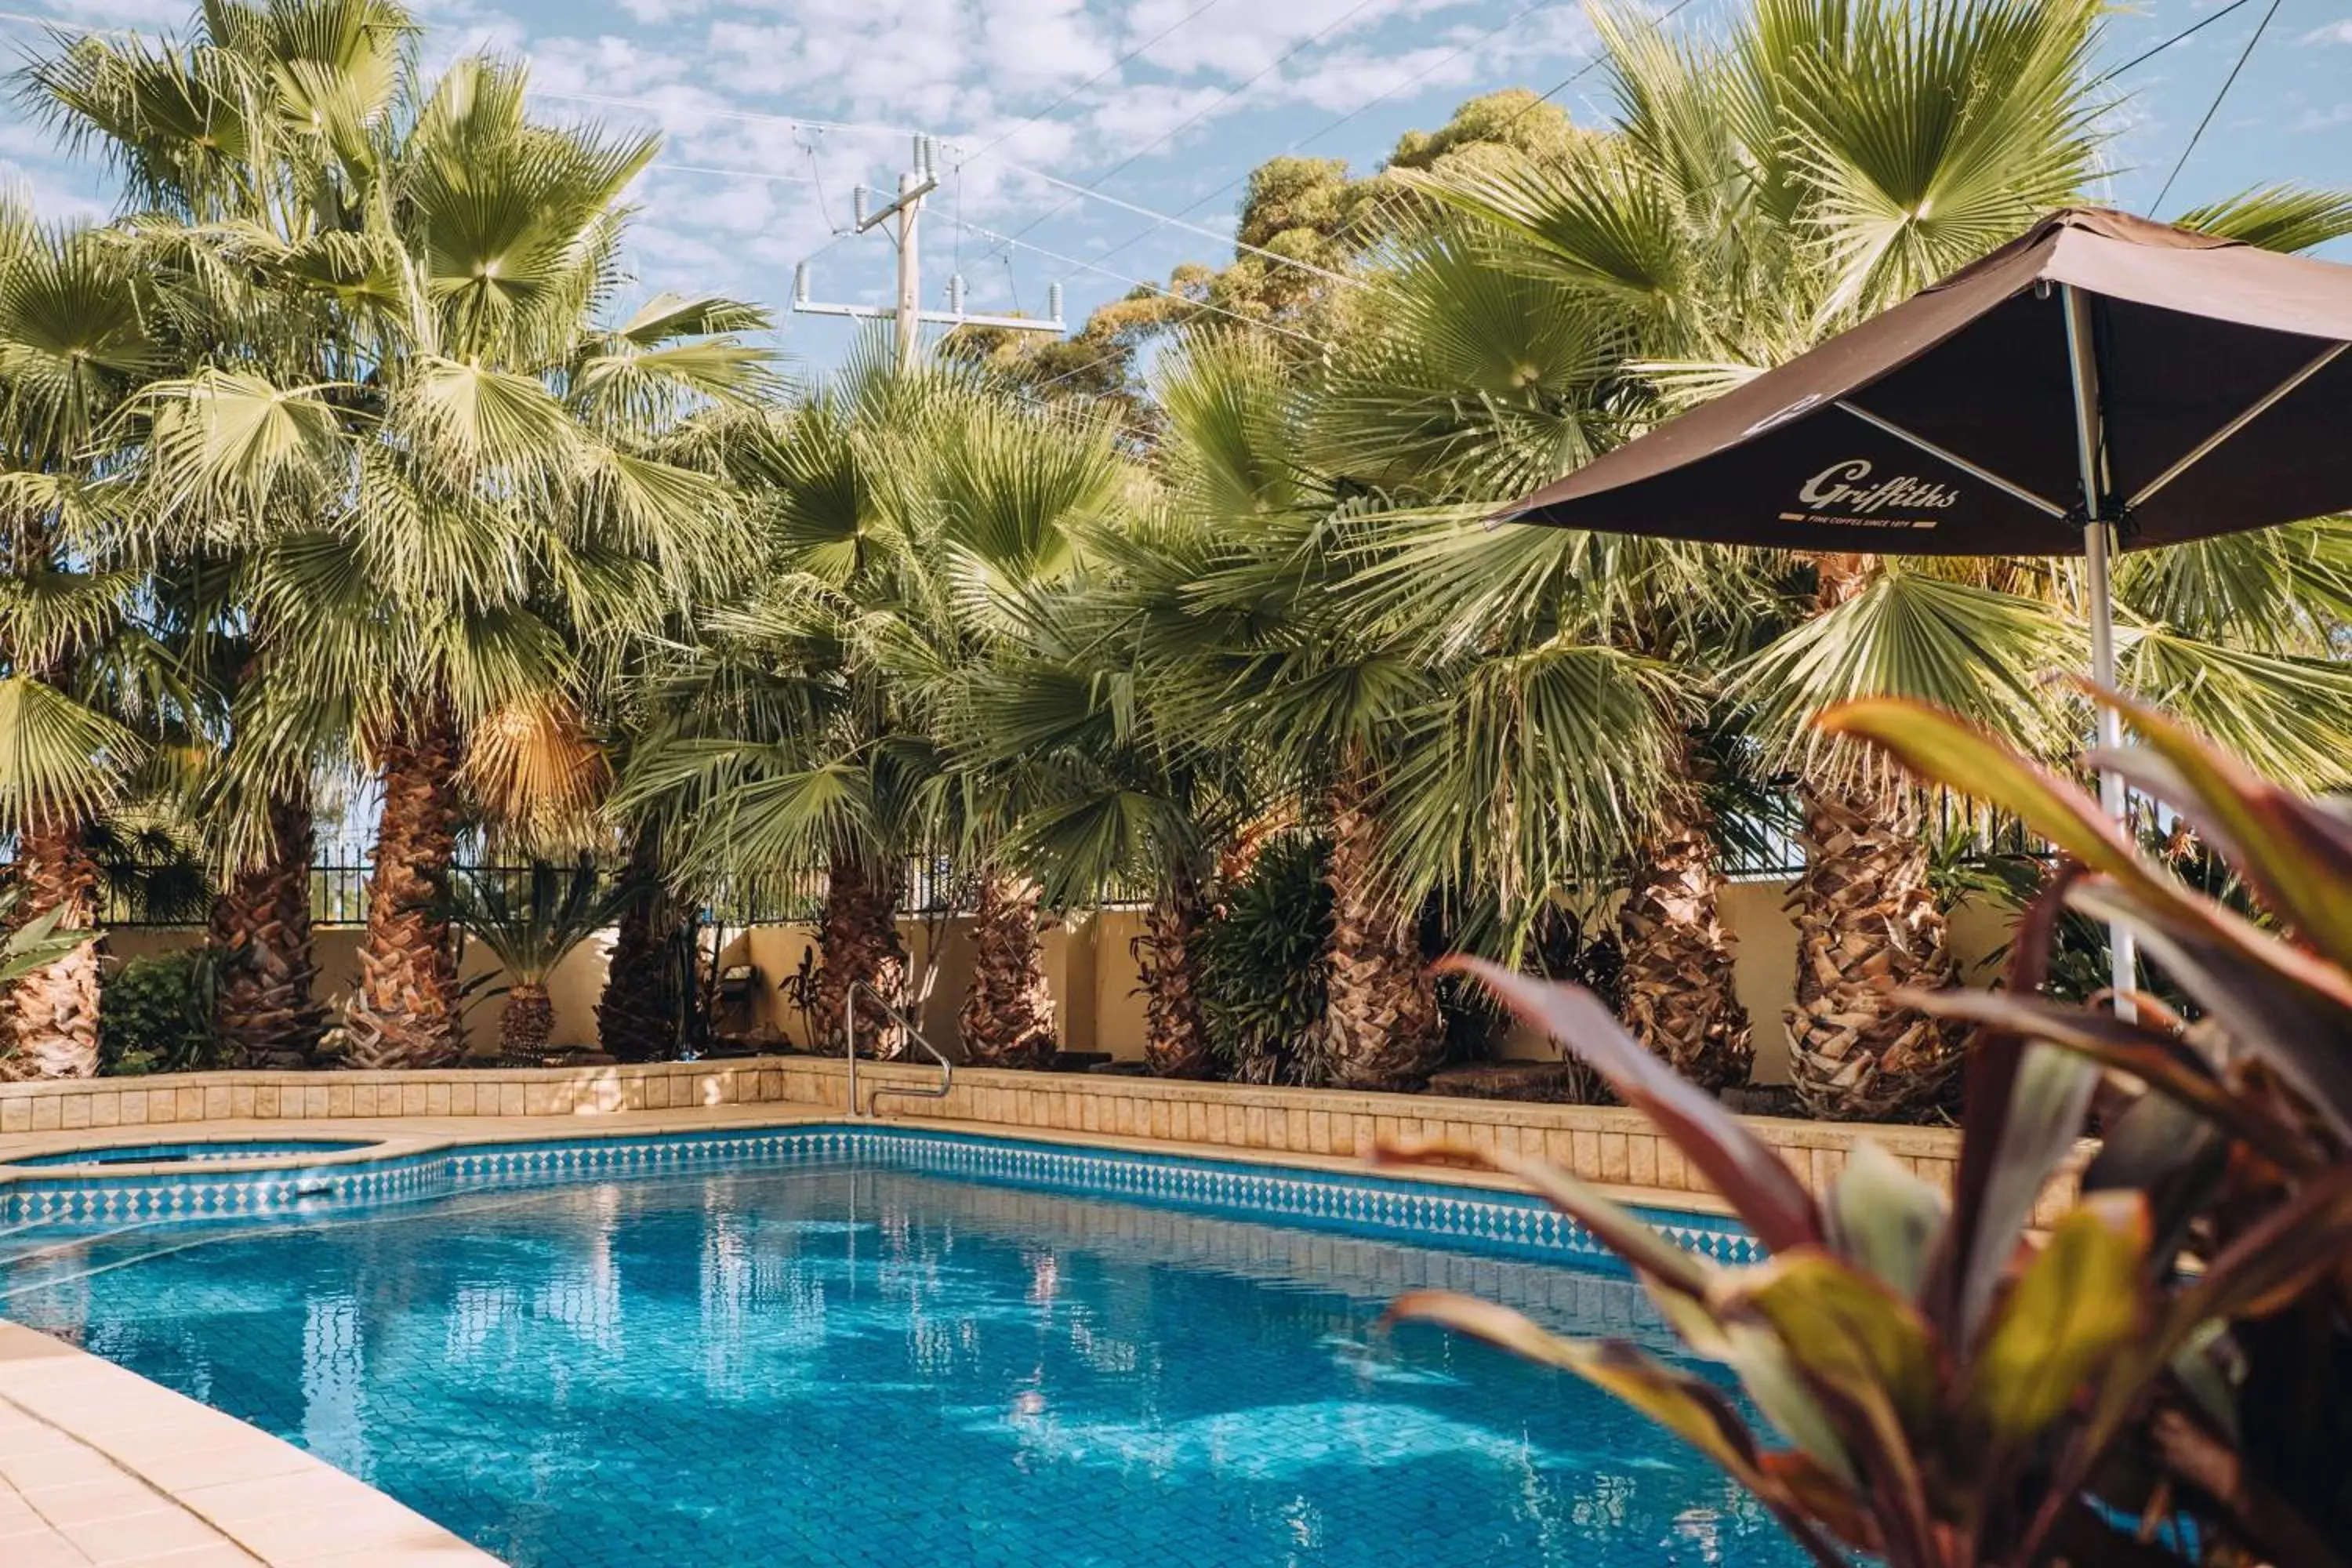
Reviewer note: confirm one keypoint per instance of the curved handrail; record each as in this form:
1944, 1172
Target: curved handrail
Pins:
849, 1034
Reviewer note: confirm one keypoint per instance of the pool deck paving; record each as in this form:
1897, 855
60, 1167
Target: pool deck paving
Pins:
100, 1465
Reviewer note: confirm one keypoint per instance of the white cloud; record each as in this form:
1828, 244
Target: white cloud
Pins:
1339, 83
49, 193
1240, 39
2331, 33
1142, 115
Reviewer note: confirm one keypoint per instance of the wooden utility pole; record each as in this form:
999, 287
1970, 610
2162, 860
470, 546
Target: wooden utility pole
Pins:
909, 315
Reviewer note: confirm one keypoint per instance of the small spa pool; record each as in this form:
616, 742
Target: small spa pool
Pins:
839, 1347
175, 1153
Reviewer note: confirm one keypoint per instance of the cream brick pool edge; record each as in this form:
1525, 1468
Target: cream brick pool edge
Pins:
100, 1465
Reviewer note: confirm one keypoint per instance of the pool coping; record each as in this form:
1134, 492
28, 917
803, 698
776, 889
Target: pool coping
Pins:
97, 1465
398, 1137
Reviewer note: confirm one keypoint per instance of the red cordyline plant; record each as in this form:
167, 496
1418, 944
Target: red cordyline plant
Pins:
2164, 1375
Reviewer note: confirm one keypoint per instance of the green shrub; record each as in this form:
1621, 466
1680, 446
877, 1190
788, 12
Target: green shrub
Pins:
154, 1015
1968, 1380
1263, 982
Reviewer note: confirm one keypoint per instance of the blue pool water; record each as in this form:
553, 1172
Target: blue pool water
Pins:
848, 1361
166, 1154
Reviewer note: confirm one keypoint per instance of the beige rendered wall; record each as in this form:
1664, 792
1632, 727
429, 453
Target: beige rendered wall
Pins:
1091, 962
1764, 968
574, 988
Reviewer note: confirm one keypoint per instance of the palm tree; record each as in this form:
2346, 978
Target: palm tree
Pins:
1477, 381
1764, 189
530, 923
248, 124
1444, 772
74, 345
1106, 795
1014, 492
447, 483
637, 1015
915, 518
776, 740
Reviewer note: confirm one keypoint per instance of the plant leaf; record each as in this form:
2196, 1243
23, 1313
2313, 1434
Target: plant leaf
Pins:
2298, 856
1751, 1177
2163, 1062
1884, 1218
1863, 1351
1693, 1410
1655, 1257
2079, 1301
2278, 1001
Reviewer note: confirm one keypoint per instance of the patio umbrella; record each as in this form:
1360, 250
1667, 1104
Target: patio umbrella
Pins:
2103, 382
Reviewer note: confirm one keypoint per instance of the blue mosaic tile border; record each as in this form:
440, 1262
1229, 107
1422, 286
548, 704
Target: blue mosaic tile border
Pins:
1502, 1223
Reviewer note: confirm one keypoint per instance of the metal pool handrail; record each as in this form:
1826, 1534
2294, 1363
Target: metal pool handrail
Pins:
849, 1034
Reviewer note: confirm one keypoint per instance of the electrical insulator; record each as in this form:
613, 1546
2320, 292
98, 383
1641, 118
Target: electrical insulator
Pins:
1054, 303
930, 157
801, 284
955, 294
857, 205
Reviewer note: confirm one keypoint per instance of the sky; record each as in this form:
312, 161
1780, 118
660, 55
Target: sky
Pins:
775, 110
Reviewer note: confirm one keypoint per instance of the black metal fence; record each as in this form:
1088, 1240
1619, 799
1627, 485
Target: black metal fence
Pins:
1765, 845
338, 896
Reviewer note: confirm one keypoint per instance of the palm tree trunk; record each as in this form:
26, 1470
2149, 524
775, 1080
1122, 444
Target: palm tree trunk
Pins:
1867, 922
1176, 1037
1381, 1027
405, 1012
261, 941
1007, 1019
635, 1018
52, 1013
859, 935
525, 1026
1677, 991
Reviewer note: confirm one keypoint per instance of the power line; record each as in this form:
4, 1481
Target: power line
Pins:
1587, 69
1176, 220
649, 106
741, 173
1191, 121
2145, 56
1115, 66
1072, 261
816, 178
992, 235
753, 117
1446, 60
2214, 107
1389, 201
1167, 220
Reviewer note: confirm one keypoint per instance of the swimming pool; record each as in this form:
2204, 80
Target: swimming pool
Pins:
842, 1348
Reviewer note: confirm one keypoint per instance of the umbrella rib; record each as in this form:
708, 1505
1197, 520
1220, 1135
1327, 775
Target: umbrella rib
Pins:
1975, 470
2252, 412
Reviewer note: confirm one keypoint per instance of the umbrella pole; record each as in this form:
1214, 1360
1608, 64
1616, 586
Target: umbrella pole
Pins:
2098, 543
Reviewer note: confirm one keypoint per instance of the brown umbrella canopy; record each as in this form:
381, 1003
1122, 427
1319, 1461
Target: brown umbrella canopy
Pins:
2217, 391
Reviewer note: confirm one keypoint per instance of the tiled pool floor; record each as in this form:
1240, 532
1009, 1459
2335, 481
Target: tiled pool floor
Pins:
861, 1365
